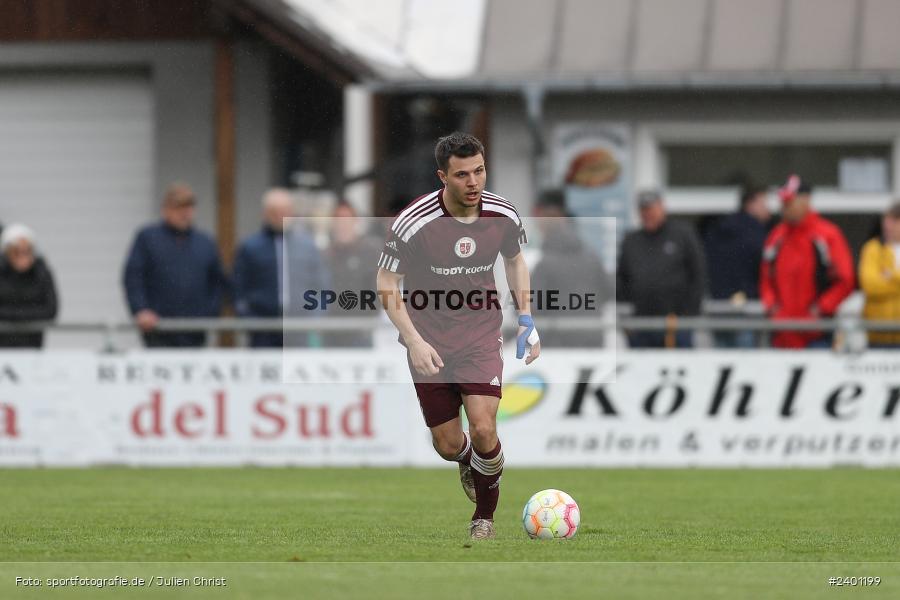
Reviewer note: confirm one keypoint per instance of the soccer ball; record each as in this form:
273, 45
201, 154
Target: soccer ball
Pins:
551, 514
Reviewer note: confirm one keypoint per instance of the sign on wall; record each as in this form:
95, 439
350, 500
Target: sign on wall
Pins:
719, 408
592, 163
675, 409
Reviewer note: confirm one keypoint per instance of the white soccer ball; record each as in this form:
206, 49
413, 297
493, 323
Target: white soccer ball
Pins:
551, 514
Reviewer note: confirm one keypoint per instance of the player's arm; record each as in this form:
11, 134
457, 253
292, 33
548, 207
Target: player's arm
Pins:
520, 286
424, 358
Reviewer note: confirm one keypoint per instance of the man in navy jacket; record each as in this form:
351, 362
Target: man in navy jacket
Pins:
258, 270
174, 270
734, 247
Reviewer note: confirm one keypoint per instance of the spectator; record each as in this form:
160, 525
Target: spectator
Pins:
569, 266
260, 289
552, 203
174, 270
661, 272
349, 259
807, 268
733, 253
879, 278
27, 291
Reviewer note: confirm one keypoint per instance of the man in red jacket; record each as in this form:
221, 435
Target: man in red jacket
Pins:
807, 268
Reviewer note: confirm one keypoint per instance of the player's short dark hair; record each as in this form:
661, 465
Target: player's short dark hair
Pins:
894, 210
749, 192
459, 144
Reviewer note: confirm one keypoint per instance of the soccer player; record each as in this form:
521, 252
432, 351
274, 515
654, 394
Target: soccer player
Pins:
443, 247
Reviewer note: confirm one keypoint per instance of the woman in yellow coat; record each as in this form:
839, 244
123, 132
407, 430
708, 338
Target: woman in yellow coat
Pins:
879, 277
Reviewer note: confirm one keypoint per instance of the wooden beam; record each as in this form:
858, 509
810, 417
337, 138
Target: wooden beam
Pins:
224, 115
226, 228
75, 20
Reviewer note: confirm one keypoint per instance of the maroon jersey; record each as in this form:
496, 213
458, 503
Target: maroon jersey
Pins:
448, 267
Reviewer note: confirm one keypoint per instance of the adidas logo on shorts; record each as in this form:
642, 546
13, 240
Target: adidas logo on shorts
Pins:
495, 381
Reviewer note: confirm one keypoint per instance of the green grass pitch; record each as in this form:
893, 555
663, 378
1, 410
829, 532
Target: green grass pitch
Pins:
357, 532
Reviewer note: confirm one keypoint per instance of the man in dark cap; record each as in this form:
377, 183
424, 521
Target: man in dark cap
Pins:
173, 270
661, 271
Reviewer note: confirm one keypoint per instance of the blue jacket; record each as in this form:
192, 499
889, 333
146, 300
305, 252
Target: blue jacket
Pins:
256, 273
734, 247
174, 273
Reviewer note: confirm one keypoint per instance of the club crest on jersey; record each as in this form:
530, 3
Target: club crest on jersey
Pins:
465, 247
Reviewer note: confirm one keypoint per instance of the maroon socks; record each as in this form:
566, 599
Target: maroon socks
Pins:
464, 455
486, 470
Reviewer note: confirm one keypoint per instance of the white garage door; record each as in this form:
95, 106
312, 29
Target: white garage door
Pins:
76, 165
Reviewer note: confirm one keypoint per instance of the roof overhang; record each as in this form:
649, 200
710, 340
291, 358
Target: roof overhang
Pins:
851, 81
273, 21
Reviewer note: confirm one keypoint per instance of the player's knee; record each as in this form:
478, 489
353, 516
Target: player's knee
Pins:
483, 431
445, 447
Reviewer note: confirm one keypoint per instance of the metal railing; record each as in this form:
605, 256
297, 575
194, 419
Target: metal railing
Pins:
231, 324
844, 325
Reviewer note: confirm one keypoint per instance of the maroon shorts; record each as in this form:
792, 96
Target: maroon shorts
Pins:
475, 373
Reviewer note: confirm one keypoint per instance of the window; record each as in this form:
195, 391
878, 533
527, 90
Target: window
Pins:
846, 167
